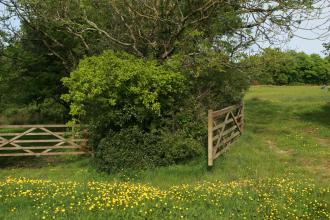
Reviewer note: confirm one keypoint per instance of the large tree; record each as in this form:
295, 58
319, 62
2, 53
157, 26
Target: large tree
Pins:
158, 28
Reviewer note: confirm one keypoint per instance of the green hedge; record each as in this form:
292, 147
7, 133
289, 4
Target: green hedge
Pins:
132, 148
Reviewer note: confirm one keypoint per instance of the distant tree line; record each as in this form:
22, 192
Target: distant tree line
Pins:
277, 67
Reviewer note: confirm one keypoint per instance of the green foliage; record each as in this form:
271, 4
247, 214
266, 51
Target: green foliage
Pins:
132, 148
216, 80
128, 148
327, 50
54, 35
178, 148
48, 111
288, 67
123, 90
157, 29
30, 78
115, 91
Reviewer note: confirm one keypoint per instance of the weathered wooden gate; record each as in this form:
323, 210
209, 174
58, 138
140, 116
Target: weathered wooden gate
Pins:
42, 140
224, 126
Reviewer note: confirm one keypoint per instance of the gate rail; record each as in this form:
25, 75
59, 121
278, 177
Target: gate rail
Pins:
224, 126
42, 140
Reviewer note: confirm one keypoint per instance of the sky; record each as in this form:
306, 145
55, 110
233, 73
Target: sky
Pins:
309, 41
312, 33
307, 46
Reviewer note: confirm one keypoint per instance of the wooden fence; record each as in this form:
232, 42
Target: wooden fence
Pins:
41, 140
224, 126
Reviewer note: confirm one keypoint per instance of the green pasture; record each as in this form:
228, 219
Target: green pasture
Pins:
278, 169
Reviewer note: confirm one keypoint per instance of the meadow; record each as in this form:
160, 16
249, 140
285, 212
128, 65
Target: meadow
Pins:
278, 169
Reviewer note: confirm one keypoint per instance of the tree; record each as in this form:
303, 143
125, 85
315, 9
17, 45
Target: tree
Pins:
327, 50
274, 66
158, 28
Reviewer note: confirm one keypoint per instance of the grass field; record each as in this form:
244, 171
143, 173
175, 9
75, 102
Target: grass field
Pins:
279, 169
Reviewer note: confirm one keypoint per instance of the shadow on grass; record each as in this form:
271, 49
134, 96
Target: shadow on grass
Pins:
36, 162
320, 116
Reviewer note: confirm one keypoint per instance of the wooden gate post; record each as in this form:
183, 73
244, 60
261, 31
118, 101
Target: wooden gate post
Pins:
210, 138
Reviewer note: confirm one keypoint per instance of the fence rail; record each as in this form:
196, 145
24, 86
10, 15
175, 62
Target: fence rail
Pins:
224, 126
42, 140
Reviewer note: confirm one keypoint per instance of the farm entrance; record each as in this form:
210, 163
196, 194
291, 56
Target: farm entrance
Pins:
224, 126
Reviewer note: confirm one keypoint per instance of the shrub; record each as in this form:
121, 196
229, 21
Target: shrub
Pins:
127, 148
117, 90
178, 148
134, 108
132, 148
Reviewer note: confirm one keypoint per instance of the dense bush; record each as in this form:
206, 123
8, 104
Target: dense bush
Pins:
132, 148
119, 90
127, 148
130, 104
277, 67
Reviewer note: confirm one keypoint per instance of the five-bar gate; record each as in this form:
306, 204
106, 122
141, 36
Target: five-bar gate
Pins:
42, 140
224, 126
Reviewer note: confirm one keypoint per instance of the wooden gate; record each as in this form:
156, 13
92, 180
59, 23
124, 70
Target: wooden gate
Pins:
224, 126
41, 140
